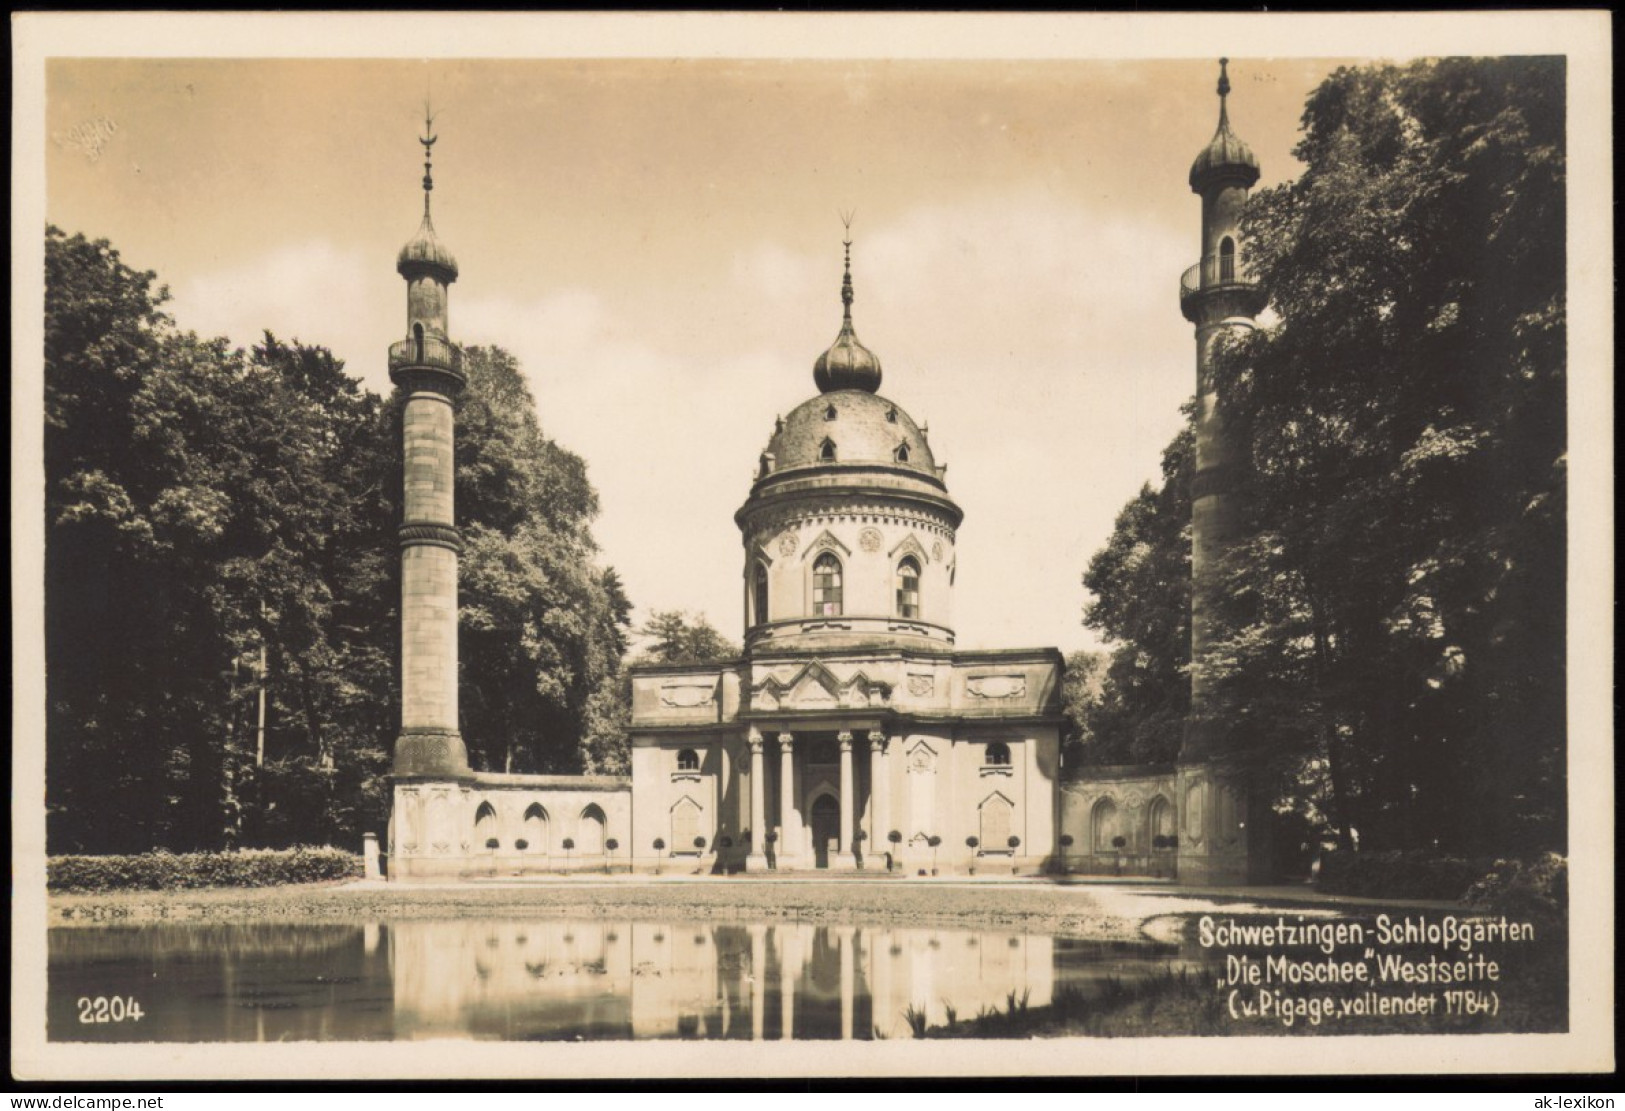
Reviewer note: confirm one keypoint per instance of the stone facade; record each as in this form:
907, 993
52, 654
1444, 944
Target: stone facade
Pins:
830, 753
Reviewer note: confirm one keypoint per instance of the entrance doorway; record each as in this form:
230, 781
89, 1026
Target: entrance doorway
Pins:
826, 828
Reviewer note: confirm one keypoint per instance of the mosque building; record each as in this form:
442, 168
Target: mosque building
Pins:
851, 733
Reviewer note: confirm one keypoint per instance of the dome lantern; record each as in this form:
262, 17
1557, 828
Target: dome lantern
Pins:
847, 365
424, 254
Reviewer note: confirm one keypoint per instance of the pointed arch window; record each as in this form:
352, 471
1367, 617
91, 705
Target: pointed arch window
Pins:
908, 587
590, 829
827, 585
826, 451
758, 593
829, 413
1227, 259
901, 454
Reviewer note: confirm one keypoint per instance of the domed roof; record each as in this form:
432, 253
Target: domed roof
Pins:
425, 252
850, 427
1225, 156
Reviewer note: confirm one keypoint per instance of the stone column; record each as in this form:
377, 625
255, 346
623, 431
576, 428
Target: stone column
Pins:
849, 803
876, 846
756, 861
786, 848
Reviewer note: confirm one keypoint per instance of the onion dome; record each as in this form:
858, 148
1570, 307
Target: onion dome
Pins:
847, 365
1226, 159
850, 428
424, 253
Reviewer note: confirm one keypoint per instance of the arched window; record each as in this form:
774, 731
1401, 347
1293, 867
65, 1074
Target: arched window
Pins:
758, 593
1227, 259
685, 825
826, 451
827, 586
1103, 826
535, 826
998, 754
891, 415
829, 413
688, 760
590, 838
417, 341
995, 824
901, 453
908, 587
1159, 822
485, 825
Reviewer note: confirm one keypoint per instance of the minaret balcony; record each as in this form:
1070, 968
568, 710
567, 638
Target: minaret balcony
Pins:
427, 359
1221, 273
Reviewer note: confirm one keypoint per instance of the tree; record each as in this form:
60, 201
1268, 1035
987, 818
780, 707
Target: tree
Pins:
676, 637
220, 544
1081, 691
542, 628
1396, 634
1141, 586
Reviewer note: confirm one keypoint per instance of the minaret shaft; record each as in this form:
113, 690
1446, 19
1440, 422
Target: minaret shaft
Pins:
1219, 297
428, 368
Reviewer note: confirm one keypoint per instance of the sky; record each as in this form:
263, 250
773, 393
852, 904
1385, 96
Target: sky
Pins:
658, 241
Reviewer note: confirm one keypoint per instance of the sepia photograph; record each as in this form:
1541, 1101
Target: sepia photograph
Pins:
811, 545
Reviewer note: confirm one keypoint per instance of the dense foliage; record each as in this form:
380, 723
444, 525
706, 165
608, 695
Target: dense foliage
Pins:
1392, 642
1140, 582
163, 871
675, 637
222, 581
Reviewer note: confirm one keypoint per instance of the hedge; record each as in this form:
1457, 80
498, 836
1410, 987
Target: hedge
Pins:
163, 871
1412, 874
1528, 889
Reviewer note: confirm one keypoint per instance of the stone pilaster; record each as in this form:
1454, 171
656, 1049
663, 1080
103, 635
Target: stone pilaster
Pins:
843, 858
756, 860
879, 801
789, 828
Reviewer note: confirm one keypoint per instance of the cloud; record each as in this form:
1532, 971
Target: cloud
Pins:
312, 290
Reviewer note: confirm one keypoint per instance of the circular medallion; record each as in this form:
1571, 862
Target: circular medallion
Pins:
787, 544
869, 540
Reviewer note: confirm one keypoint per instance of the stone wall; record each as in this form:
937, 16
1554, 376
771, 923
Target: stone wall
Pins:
442, 829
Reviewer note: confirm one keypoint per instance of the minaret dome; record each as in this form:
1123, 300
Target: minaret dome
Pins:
847, 365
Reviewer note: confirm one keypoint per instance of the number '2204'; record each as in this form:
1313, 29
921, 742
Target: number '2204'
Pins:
103, 1008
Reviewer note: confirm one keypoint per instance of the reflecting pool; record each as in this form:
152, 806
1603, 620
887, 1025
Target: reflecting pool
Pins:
539, 979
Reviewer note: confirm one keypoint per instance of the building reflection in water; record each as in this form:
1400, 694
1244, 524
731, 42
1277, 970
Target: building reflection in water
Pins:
551, 979
701, 980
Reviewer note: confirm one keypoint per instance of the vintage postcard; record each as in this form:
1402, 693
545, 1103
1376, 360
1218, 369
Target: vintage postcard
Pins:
772, 545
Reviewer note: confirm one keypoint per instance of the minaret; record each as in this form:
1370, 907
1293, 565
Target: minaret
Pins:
1219, 297
427, 366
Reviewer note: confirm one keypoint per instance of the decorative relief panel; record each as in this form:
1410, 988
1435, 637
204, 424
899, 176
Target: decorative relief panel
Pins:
921, 686
787, 544
687, 696
996, 687
936, 551
921, 759
869, 540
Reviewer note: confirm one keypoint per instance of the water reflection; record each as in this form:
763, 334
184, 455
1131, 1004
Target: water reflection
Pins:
553, 979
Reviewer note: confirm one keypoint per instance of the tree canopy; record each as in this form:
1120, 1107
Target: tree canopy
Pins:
1392, 630
220, 550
